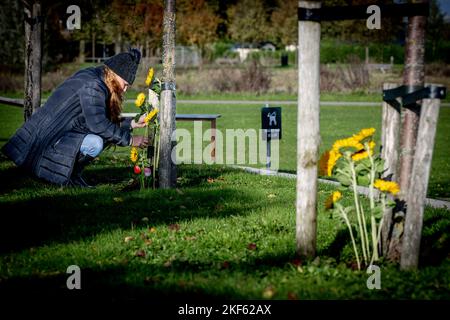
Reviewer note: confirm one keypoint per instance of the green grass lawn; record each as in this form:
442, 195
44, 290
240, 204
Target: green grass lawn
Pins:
336, 122
222, 234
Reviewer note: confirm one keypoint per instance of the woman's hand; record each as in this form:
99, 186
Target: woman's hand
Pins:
139, 141
140, 124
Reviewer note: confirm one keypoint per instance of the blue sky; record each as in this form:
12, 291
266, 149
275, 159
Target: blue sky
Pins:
445, 7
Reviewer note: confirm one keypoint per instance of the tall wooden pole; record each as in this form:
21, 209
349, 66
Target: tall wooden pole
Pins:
33, 57
419, 184
308, 135
390, 136
413, 76
167, 168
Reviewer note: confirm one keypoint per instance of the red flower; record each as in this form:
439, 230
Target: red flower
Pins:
137, 169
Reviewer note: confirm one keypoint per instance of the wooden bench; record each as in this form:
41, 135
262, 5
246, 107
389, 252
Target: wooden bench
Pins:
212, 118
180, 117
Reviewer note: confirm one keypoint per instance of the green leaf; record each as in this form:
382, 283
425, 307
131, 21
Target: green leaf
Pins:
361, 166
363, 180
379, 165
343, 179
390, 204
136, 117
342, 188
377, 212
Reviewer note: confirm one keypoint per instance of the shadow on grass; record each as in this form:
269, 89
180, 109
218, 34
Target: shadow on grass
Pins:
143, 282
337, 245
64, 214
435, 242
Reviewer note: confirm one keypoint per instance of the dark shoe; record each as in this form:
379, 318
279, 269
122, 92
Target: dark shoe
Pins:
76, 180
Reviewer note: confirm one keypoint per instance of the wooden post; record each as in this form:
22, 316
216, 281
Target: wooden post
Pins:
419, 184
33, 58
93, 46
213, 139
81, 54
413, 76
390, 137
167, 168
308, 135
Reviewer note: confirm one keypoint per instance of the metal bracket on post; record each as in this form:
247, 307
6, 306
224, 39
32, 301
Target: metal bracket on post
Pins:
411, 94
360, 12
170, 85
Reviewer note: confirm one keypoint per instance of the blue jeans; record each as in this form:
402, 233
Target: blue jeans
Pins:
92, 145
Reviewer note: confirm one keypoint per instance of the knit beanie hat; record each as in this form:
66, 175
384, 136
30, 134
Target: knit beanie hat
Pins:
125, 64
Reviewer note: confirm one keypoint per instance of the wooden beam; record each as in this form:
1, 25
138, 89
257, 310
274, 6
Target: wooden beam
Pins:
308, 134
419, 184
167, 167
390, 137
33, 58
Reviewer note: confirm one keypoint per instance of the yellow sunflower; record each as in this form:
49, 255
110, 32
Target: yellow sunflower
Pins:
139, 100
364, 133
152, 114
149, 79
335, 197
134, 154
347, 143
323, 163
332, 159
387, 186
364, 154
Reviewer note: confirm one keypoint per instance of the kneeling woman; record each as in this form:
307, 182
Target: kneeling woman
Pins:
81, 116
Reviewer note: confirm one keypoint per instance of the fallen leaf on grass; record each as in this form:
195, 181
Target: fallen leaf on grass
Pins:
190, 238
271, 195
210, 180
144, 219
148, 242
268, 292
174, 227
152, 229
118, 199
167, 264
128, 239
179, 191
297, 262
140, 253
144, 236
292, 296
251, 246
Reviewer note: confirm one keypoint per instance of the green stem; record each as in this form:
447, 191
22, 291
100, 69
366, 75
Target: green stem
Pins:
380, 226
347, 222
358, 213
366, 234
372, 202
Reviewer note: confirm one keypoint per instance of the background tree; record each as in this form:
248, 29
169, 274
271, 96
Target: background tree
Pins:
248, 21
357, 31
11, 35
196, 23
435, 25
285, 23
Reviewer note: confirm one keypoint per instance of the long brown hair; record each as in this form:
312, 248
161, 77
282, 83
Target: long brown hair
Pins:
115, 95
